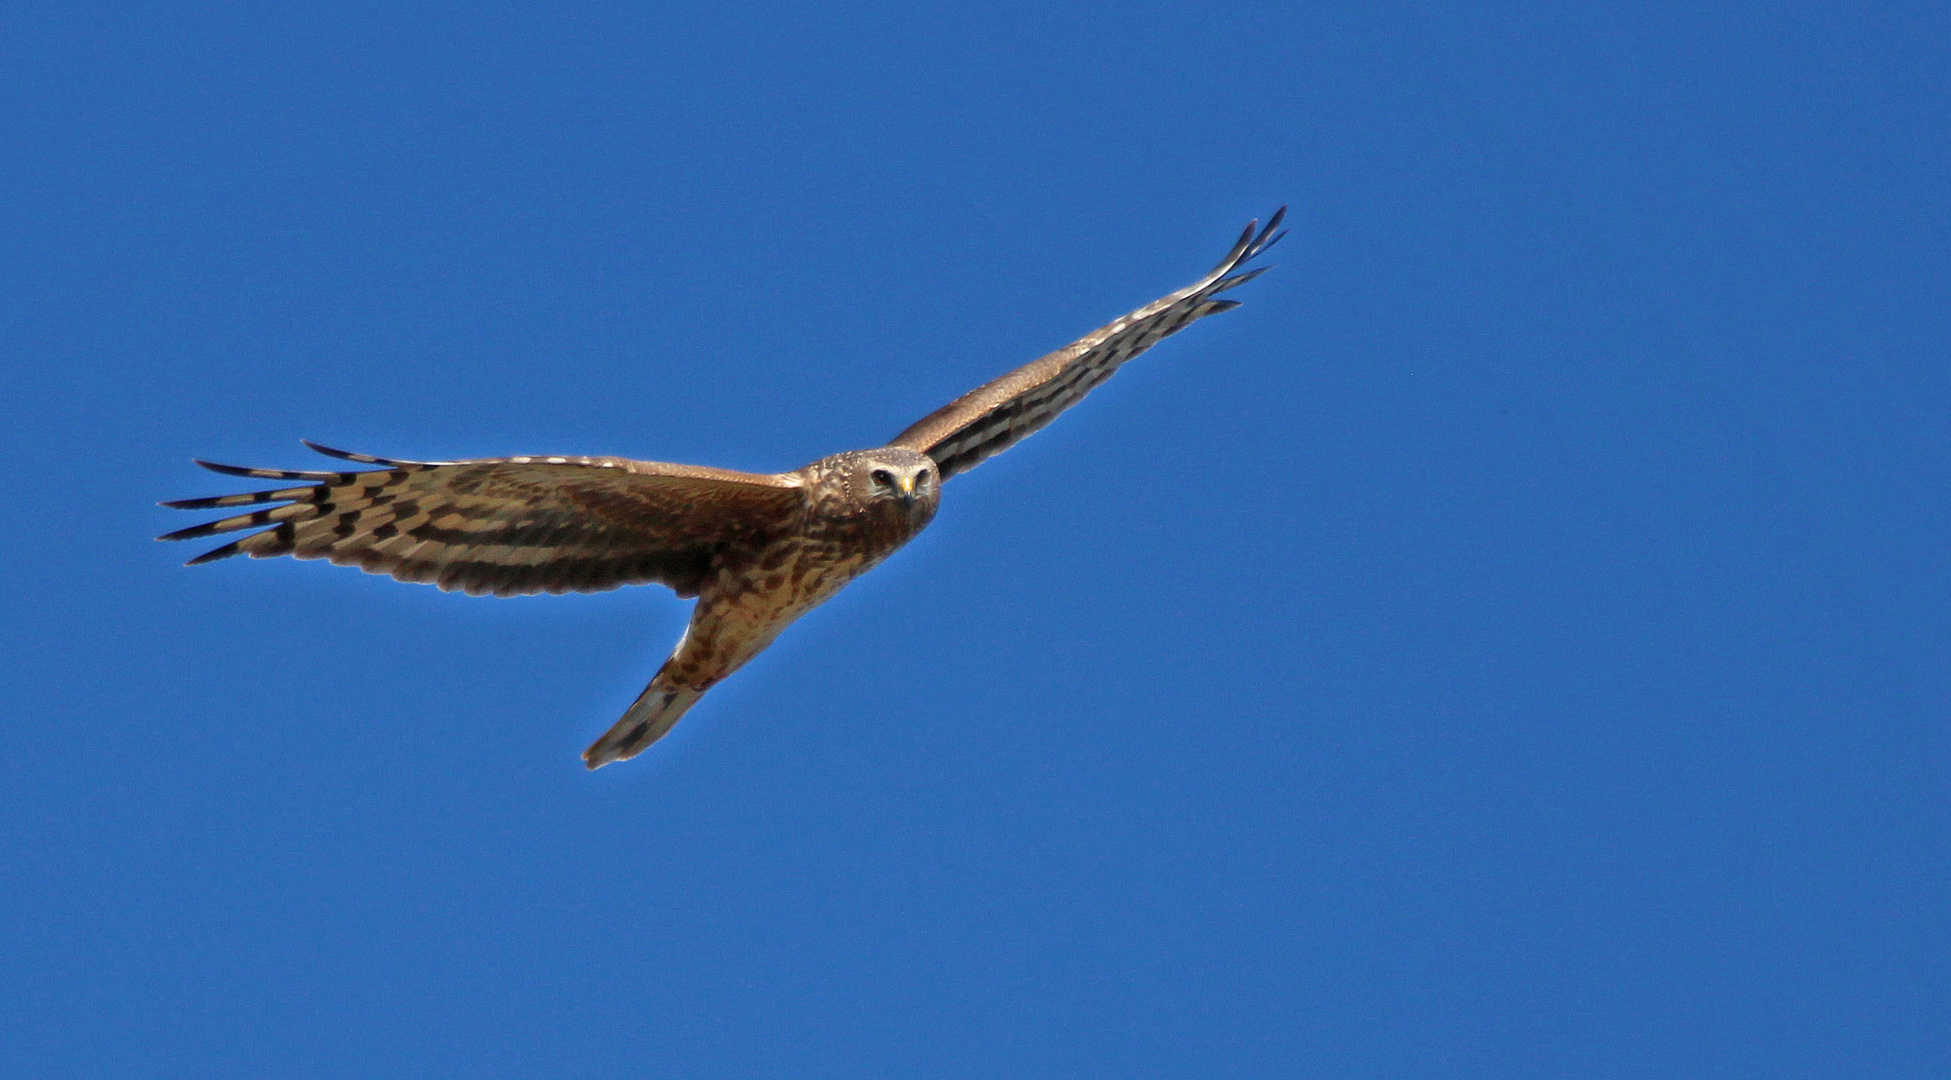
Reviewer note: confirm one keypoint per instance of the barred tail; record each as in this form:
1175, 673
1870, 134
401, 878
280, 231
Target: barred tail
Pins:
645, 722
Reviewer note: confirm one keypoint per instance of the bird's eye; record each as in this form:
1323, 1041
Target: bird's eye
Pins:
882, 477
921, 478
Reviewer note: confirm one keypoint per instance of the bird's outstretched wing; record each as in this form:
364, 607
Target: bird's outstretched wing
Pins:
507, 526
993, 417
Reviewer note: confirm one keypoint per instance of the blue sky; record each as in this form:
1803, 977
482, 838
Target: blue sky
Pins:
1513, 644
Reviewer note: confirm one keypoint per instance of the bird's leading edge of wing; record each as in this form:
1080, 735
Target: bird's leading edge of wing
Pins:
507, 526
995, 416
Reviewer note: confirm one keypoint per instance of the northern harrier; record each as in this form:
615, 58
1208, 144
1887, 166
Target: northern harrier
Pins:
757, 551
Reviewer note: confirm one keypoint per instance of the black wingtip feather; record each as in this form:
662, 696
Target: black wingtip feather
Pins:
213, 554
191, 533
368, 459
1253, 240
1234, 281
1273, 224
264, 474
1268, 236
343, 455
254, 498
1239, 249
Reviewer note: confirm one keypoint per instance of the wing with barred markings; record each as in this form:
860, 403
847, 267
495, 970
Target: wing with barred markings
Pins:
993, 417
507, 526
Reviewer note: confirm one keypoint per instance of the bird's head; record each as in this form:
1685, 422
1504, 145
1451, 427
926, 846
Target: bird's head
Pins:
908, 477
891, 482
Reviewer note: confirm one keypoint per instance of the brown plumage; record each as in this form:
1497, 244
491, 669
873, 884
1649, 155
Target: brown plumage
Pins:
758, 551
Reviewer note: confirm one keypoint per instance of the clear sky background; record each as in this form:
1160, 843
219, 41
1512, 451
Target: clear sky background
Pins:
1513, 644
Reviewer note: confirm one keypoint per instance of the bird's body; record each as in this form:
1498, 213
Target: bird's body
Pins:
757, 550
759, 590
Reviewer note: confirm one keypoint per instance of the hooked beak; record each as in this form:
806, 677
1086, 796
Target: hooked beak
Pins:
908, 490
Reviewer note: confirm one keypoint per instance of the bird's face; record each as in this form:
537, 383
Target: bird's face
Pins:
901, 476
891, 482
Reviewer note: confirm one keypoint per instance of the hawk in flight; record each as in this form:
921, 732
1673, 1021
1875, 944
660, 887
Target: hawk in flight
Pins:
757, 551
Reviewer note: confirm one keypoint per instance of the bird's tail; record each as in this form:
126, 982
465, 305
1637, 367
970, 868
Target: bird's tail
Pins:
645, 722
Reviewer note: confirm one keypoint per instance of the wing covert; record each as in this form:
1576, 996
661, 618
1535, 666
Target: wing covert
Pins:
507, 526
997, 415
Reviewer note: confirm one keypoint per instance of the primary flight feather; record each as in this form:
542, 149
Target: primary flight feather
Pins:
758, 551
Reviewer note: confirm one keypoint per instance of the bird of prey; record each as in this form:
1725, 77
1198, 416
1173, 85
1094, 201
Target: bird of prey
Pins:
756, 551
